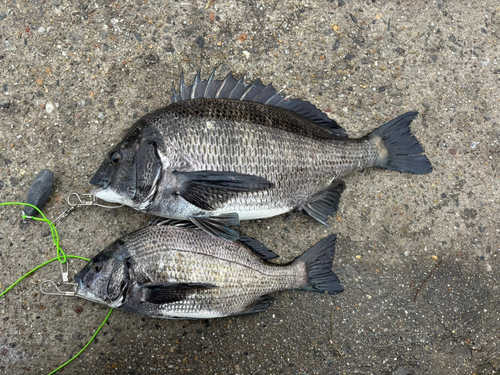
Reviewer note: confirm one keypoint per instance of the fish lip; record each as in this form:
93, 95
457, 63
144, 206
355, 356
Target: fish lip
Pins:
85, 294
94, 192
81, 290
97, 181
109, 195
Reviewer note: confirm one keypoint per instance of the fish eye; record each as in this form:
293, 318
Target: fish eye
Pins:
97, 267
115, 157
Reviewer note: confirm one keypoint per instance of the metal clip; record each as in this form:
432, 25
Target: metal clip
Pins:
79, 203
63, 215
64, 274
59, 291
65, 279
92, 202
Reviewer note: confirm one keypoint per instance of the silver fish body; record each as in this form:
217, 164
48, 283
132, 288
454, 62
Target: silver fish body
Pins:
214, 159
169, 272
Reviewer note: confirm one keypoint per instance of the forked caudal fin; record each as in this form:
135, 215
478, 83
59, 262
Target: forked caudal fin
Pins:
318, 261
402, 149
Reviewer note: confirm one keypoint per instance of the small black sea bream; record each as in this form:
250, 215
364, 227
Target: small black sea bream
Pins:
225, 151
168, 272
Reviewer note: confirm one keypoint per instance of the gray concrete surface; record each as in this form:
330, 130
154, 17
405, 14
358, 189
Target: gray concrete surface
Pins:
418, 255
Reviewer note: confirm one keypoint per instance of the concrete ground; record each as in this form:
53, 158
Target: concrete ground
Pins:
418, 255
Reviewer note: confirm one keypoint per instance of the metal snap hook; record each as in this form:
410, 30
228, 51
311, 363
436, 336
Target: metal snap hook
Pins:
78, 202
92, 202
65, 279
63, 215
58, 292
74, 200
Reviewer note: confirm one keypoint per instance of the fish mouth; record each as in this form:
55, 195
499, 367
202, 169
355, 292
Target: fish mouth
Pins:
97, 190
81, 290
84, 292
98, 181
107, 194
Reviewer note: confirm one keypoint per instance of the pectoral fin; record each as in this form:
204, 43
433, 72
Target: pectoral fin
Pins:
208, 189
218, 226
171, 292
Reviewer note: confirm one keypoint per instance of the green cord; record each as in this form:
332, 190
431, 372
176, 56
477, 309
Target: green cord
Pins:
52, 227
62, 258
88, 343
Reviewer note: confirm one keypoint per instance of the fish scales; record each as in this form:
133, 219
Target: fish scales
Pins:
286, 154
219, 160
165, 255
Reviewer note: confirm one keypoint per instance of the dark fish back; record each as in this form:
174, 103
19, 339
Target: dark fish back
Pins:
240, 111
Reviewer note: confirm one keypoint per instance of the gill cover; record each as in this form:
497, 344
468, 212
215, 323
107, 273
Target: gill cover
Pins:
148, 172
117, 285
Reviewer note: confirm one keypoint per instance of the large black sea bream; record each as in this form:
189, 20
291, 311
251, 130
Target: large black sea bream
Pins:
226, 151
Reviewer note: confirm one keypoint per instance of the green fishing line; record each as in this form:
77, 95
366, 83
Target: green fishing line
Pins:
87, 344
62, 258
52, 227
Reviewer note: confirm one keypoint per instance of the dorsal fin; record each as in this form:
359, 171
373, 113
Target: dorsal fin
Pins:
231, 88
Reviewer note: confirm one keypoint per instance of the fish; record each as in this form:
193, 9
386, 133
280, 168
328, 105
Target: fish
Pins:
225, 151
176, 272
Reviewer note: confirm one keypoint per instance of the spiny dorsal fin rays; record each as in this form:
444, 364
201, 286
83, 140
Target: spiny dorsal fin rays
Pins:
233, 89
185, 91
215, 89
253, 91
238, 90
195, 84
211, 89
266, 94
227, 85
175, 97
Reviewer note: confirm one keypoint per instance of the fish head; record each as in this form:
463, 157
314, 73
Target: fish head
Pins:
131, 171
105, 279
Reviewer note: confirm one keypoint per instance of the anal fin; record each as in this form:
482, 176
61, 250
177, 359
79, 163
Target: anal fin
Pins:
260, 305
325, 203
218, 226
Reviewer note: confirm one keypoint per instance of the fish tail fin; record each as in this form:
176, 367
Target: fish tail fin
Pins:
399, 149
318, 264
